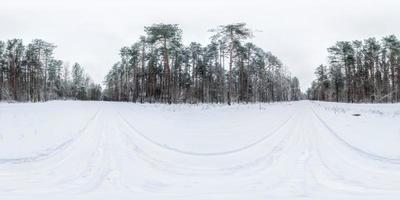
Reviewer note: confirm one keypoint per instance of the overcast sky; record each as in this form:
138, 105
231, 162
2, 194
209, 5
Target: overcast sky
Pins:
91, 32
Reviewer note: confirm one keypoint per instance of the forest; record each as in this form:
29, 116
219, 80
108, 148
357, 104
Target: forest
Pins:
159, 68
31, 73
360, 71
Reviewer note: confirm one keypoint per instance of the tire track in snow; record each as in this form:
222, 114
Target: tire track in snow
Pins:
354, 148
269, 165
155, 162
300, 165
76, 171
345, 175
232, 151
103, 162
260, 175
49, 152
330, 173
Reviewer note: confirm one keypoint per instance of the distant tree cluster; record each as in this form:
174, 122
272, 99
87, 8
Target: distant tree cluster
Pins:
360, 71
31, 73
159, 68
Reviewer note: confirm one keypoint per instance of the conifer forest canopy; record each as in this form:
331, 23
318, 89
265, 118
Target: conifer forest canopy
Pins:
157, 68
160, 68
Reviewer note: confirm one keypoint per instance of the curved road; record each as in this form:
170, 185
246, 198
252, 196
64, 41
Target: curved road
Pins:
303, 158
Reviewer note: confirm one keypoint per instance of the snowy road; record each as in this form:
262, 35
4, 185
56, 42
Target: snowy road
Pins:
99, 150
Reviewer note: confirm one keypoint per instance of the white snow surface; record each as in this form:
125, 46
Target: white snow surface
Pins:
109, 150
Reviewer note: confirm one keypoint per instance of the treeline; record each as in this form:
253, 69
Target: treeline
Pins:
360, 71
31, 73
159, 68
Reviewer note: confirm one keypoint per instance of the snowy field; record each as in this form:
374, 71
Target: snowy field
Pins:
104, 150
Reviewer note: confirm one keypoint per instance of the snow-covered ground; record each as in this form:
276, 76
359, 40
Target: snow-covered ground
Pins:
105, 150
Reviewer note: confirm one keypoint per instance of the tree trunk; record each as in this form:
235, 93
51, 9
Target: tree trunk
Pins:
143, 74
45, 81
393, 85
1, 83
230, 69
167, 76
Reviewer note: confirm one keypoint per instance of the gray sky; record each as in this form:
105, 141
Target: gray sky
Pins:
91, 32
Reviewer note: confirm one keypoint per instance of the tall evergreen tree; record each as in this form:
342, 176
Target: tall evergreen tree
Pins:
169, 37
159, 68
362, 71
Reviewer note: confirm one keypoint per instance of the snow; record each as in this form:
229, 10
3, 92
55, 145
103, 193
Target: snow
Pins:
110, 150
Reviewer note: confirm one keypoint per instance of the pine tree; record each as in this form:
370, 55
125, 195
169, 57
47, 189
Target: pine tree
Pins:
362, 71
196, 73
230, 35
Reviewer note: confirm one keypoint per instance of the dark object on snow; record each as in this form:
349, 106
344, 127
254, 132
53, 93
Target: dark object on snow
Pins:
356, 115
